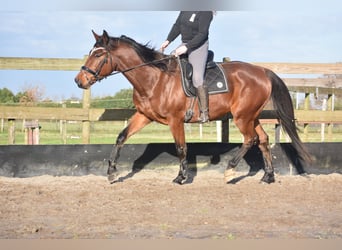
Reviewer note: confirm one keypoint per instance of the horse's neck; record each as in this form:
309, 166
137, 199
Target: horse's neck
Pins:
142, 78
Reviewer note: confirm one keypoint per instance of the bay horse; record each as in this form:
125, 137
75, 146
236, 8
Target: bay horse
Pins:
158, 96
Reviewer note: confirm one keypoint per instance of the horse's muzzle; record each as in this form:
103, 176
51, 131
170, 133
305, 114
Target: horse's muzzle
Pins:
80, 84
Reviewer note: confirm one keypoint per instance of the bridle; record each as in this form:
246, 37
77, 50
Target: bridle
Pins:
96, 73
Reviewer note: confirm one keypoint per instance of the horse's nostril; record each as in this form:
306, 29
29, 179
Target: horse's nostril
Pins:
77, 82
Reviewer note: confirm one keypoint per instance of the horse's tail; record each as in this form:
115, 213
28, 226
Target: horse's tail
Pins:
284, 109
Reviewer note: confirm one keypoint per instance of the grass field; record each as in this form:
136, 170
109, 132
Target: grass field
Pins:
106, 133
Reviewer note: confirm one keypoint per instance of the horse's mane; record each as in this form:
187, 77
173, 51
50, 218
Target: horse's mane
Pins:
146, 53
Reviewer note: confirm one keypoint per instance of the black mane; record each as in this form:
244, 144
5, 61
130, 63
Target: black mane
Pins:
145, 52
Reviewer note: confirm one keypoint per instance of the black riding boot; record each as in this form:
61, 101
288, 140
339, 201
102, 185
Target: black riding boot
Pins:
203, 98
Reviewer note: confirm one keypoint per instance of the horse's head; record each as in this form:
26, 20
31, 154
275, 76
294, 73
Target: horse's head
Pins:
98, 64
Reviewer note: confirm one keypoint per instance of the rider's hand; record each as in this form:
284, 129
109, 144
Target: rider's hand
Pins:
164, 45
181, 50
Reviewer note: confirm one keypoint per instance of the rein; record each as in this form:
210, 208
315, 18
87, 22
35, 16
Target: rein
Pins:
141, 65
97, 72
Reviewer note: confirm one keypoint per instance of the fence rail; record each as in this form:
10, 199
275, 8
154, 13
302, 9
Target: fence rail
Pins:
329, 86
93, 115
85, 116
31, 63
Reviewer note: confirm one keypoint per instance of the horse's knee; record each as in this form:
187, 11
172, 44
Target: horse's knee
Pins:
263, 139
248, 143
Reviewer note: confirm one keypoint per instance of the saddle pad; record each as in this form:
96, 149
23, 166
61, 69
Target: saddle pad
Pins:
214, 79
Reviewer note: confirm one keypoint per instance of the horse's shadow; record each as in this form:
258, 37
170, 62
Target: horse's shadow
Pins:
215, 156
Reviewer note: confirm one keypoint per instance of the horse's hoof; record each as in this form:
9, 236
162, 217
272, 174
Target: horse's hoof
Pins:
112, 178
179, 180
268, 178
228, 174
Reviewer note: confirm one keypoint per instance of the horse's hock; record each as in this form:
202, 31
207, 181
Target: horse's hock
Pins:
77, 160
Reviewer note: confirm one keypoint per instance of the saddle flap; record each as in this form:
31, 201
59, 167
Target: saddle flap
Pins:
210, 57
189, 69
215, 79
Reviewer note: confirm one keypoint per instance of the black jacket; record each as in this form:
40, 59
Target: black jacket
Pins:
193, 26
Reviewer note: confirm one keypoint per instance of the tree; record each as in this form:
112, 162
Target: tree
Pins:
30, 95
6, 96
124, 98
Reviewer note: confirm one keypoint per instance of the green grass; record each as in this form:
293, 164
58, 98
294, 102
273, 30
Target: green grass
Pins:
106, 133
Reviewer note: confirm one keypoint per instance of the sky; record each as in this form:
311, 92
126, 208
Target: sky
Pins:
303, 32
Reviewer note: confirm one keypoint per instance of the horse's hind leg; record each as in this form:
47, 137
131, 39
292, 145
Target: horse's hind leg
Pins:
238, 156
137, 122
266, 153
250, 139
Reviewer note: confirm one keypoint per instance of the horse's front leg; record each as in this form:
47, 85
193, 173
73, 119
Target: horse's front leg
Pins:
115, 154
177, 129
138, 121
183, 167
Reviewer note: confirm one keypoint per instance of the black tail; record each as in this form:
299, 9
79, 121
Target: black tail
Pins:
284, 109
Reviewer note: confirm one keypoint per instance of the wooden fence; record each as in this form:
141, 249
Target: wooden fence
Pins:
329, 86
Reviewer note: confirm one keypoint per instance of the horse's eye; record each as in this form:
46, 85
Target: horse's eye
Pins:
98, 55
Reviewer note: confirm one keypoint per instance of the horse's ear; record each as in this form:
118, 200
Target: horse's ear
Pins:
105, 37
97, 37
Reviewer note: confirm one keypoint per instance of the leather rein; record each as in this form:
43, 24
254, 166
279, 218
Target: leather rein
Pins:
96, 73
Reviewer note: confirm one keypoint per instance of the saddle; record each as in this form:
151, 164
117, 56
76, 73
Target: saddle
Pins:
214, 77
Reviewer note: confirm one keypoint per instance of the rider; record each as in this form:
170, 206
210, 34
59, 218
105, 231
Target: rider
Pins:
193, 26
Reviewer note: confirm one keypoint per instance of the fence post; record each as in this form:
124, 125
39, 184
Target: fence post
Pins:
277, 128
200, 131
86, 123
306, 107
11, 131
219, 131
32, 132
330, 107
64, 131
63, 128
225, 129
2, 125
324, 108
